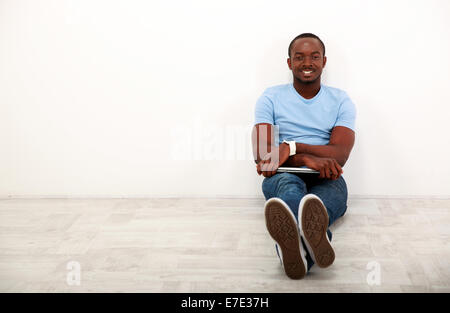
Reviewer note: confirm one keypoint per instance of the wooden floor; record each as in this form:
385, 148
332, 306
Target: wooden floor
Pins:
214, 245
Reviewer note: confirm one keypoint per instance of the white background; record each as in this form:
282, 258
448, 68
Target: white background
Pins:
107, 98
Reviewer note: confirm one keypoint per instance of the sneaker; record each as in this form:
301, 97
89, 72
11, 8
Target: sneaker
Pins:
282, 226
313, 223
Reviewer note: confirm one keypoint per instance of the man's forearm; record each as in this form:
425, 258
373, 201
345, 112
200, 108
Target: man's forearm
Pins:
326, 151
295, 160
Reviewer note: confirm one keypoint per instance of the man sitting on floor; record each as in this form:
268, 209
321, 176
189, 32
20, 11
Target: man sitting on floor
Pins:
315, 124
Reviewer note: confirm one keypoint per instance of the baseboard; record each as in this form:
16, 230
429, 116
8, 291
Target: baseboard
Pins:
9, 197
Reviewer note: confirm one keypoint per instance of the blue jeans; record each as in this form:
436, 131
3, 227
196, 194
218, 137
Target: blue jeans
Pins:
292, 187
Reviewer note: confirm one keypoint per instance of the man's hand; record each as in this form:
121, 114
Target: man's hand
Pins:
328, 168
273, 160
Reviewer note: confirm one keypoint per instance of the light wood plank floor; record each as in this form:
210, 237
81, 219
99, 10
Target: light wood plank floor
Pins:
214, 245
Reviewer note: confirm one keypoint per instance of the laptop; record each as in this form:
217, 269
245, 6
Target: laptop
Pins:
297, 170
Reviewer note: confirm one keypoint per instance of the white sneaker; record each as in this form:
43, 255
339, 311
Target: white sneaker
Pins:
282, 226
313, 224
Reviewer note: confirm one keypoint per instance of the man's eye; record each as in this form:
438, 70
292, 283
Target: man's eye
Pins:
316, 57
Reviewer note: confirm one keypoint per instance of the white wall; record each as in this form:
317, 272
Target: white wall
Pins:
94, 94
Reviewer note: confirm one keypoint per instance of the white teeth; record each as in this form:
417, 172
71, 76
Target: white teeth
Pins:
307, 72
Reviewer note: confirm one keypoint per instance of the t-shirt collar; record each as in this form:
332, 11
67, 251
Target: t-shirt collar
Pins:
304, 99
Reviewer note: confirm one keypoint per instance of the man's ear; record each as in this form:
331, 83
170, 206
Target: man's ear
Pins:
324, 61
289, 63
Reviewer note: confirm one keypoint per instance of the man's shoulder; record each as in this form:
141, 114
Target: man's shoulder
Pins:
334, 92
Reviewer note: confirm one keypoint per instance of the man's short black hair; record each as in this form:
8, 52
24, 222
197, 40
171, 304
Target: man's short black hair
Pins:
305, 35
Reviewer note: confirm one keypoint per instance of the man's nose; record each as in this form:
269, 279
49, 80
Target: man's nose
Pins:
307, 61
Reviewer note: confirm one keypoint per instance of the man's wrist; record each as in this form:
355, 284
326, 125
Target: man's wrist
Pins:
296, 160
284, 145
300, 147
292, 147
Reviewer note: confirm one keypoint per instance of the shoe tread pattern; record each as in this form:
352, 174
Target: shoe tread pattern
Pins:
283, 230
314, 227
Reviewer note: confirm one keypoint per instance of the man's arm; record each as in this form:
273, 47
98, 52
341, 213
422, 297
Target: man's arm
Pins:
267, 156
328, 167
341, 143
262, 139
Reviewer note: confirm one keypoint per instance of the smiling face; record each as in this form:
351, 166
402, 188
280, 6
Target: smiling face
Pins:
307, 60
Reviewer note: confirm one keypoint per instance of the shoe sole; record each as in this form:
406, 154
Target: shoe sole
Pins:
314, 231
283, 229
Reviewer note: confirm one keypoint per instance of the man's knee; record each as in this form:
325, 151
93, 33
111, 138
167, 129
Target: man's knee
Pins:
284, 178
280, 181
291, 179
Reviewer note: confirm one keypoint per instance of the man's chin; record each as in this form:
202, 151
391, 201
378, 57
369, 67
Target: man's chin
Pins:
307, 81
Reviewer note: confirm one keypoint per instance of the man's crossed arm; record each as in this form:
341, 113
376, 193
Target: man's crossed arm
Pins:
339, 147
327, 159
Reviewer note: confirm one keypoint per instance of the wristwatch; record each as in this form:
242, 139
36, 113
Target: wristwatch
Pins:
292, 147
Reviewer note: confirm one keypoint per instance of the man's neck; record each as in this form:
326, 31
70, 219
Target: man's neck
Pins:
307, 91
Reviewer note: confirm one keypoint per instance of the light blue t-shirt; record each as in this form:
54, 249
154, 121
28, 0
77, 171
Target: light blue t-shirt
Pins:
308, 121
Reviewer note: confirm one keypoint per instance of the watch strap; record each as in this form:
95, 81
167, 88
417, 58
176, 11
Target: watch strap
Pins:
292, 147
